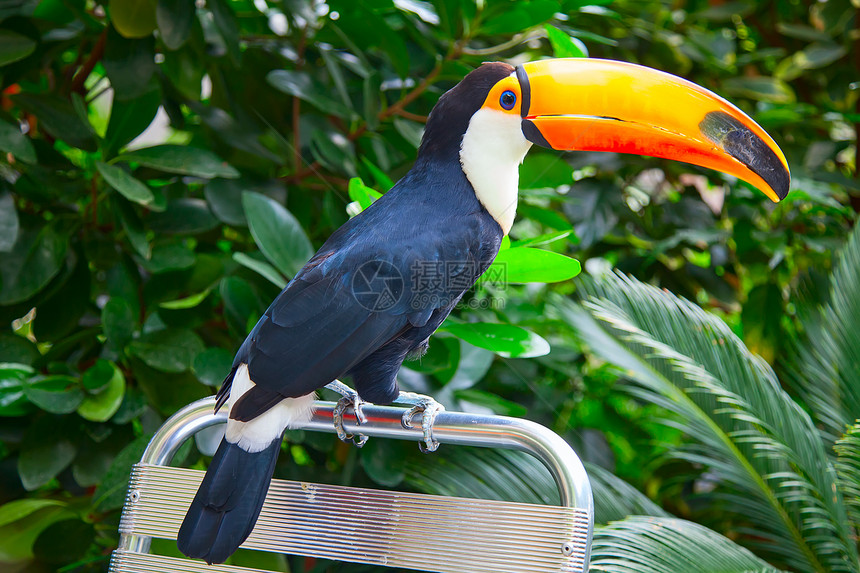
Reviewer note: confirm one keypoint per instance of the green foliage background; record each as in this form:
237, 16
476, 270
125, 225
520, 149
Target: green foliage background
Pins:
168, 165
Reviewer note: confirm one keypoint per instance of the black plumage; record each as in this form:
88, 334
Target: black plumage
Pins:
329, 322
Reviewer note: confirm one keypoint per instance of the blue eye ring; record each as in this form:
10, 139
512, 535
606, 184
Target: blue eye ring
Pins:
508, 100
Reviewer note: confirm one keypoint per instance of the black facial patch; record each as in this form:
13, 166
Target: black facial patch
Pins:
738, 141
451, 115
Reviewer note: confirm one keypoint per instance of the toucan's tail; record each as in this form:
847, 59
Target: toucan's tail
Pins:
228, 502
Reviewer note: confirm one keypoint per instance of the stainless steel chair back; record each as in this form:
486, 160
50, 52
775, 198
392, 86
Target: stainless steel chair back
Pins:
390, 528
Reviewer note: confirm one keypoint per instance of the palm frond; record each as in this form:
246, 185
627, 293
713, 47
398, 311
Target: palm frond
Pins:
761, 446
515, 476
825, 368
848, 469
669, 545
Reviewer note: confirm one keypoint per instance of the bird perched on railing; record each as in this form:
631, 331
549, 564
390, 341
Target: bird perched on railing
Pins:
356, 308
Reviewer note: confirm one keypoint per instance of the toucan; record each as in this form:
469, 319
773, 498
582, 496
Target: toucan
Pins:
450, 211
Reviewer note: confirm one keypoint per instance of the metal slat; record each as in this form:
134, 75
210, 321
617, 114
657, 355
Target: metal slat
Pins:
420, 531
397, 529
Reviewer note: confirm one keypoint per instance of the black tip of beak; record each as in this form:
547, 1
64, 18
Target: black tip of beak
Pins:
738, 141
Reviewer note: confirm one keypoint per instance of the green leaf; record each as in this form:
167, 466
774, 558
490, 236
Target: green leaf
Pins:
54, 394
14, 142
133, 227
133, 18
175, 18
668, 545
118, 321
546, 239
101, 406
34, 260
14, 47
227, 24
564, 45
8, 222
47, 450
13, 379
361, 193
58, 117
513, 18
129, 64
98, 376
300, 85
186, 216
212, 365
187, 302
131, 188
767, 89
170, 257
182, 160
264, 269
527, 265
129, 118
21, 522
225, 200
277, 233
505, 340
385, 463
170, 350
110, 494
64, 541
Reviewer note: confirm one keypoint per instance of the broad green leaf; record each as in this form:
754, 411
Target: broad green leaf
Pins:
21, 522
361, 193
528, 265
175, 18
14, 142
546, 239
517, 17
133, 18
134, 228
300, 85
184, 216
101, 406
170, 257
98, 376
760, 88
170, 350
277, 233
212, 365
13, 379
47, 449
58, 117
564, 45
228, 26
262, 268
130, 64
118, 322
224, 197
241, 304
14, 47
8, 222
131, 188
182, 160
54, 394
505, 340
110, 494
129, 118
34, 260
64, 541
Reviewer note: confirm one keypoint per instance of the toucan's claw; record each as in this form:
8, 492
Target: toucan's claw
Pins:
430, 408
350, 399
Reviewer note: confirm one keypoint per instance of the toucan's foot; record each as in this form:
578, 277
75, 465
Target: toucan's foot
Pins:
350, 399
430, 408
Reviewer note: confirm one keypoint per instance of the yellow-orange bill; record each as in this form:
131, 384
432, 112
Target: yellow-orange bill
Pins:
603, 105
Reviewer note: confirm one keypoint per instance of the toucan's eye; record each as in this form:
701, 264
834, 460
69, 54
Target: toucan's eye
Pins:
508, 99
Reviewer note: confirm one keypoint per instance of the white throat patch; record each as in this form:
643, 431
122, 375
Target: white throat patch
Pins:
491, 152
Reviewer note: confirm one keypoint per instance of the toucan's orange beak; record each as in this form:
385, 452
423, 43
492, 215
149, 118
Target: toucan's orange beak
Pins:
602, 105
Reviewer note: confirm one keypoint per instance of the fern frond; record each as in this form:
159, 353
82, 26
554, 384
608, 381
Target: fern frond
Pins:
761, 446
668, 545
848, 469
825, 368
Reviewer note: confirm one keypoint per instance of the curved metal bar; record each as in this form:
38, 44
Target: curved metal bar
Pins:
384, 421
